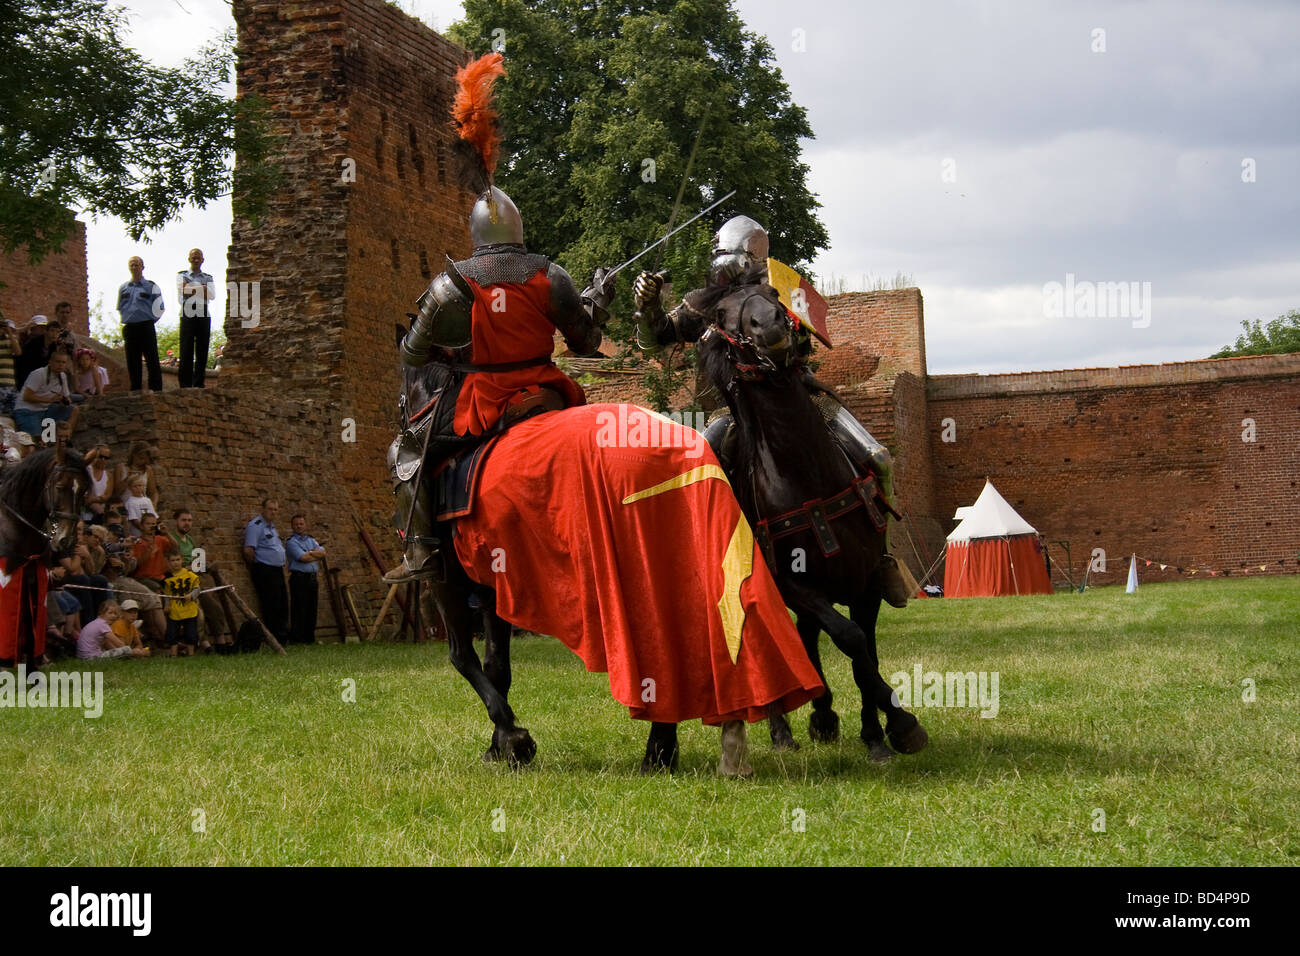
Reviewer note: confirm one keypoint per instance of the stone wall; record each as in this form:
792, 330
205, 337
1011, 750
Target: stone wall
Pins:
1147, 459
220, 452
27, 290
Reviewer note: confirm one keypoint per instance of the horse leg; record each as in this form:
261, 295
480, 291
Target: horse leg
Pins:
515, 745
735, 748
779, 728
660, 749
508, 741
905, 732
823, 723
850, 638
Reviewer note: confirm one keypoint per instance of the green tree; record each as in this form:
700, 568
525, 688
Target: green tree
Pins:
87, 124
1280, 336
601, 105
170, 339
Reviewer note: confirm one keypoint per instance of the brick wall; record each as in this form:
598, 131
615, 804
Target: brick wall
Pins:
221, 451
405, 213
360, 95
27, 290
889, 325
1146, 459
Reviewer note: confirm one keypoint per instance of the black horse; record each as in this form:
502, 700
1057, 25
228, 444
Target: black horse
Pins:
40, 505
451, 595
785, 458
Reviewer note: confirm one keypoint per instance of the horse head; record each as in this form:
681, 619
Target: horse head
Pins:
42, 498
751, 339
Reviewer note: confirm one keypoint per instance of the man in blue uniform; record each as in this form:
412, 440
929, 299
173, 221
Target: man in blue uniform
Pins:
264, 553
304, 553
140, 303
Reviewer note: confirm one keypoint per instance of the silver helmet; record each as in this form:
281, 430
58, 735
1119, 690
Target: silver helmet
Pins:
738, 246
494, 220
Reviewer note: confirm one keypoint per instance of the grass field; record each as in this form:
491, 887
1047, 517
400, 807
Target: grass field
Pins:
1128, 704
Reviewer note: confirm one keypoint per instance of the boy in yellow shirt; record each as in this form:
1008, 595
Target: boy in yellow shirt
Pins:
180, 591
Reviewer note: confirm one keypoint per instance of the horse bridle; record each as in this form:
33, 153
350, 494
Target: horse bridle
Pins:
49, 493
763, 364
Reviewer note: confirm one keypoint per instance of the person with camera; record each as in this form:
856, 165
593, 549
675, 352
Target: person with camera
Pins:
118, 568
45, 395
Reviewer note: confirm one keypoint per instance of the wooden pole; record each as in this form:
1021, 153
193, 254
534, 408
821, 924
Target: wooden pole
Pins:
332, 586
388, 602
352, 609
378, 561
266, 633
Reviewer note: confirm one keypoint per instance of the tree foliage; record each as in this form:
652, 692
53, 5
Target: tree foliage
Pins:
1279, 336
601, 105
88, 124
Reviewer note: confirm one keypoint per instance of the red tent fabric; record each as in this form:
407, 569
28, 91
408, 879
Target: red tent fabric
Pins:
994, 552
989, 567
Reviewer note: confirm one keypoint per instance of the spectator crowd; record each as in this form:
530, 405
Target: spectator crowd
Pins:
134, 585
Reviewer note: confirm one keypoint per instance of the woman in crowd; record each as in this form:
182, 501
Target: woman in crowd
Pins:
89, 378
103, 487
139, 460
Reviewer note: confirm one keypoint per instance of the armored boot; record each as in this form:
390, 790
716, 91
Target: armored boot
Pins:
420, 558
867, 454
414, 520
720, 433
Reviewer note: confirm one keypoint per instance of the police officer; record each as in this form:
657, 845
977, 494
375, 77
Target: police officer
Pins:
195, 289
264, 553
304, 552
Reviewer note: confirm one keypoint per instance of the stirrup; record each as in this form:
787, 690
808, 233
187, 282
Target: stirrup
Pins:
429, 568
893, 580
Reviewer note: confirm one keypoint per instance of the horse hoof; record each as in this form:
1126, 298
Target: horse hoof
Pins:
492, 754
658, 761
520, 748
824, 726
911, 741
783, 740
878, 751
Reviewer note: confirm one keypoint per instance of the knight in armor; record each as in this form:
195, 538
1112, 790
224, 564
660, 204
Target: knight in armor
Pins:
488, 322
739, 257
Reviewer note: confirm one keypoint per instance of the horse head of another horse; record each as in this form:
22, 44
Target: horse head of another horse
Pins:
42, 498
751, 339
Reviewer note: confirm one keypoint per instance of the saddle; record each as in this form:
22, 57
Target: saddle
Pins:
453, 467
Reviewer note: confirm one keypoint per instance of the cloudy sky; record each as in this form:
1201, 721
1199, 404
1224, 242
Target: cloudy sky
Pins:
988, 150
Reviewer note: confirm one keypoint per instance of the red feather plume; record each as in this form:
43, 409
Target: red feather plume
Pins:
473, 112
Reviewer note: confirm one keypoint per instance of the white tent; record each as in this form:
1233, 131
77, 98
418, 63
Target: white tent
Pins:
993, 551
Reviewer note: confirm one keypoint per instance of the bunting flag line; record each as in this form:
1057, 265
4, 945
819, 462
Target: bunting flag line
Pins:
1251, 568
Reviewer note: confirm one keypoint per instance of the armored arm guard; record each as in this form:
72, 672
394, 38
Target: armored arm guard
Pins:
655, 327
581, 330
444, 318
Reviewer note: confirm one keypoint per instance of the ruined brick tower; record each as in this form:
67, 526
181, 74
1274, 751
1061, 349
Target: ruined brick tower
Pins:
360, 95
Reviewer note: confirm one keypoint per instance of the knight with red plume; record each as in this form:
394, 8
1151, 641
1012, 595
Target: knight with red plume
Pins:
487, 325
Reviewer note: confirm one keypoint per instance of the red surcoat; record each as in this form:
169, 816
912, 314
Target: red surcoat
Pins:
510, 324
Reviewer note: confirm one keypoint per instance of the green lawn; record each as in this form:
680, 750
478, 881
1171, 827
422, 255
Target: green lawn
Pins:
1128, 704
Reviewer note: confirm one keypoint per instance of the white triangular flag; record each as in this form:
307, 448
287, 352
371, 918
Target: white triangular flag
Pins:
1132, 575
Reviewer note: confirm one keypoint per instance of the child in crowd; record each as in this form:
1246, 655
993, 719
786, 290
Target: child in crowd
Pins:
89, 378
97, 640
136, 502
127, 627
181, 593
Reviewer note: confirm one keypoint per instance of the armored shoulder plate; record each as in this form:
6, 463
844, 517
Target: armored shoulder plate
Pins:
444, 317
